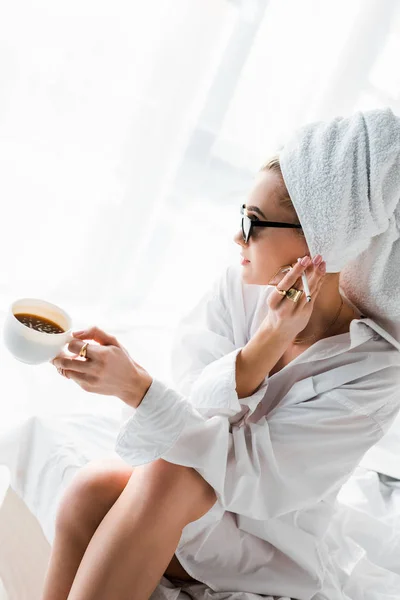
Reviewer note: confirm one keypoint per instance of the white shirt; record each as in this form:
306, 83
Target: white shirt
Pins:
276, 459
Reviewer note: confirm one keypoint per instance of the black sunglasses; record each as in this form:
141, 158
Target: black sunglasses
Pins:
248, 224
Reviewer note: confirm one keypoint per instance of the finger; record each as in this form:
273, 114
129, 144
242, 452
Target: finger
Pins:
74, 363
312, 270
314, 276
69, 374
316, 284
322, 268
92, 350
315, 273
98, 335
56, 358
297, 270
288, 281
314, 266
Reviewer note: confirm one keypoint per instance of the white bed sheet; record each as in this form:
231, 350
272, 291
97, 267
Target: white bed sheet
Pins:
44, 452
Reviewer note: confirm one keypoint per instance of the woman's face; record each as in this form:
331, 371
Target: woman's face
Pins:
268, 248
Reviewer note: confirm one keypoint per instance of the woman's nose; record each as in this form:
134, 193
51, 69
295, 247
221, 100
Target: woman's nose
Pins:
238, 238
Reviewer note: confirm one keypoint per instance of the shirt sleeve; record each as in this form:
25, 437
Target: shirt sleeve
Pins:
203, 359
286, 461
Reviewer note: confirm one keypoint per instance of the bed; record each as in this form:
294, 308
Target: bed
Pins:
40, 454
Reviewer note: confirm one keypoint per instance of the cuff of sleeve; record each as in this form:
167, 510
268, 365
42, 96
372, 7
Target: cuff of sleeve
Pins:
214, 392
154, 427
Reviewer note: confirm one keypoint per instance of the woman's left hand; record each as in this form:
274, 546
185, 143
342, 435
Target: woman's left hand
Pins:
107, 369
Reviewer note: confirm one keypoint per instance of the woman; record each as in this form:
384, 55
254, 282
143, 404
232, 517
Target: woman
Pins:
233, 483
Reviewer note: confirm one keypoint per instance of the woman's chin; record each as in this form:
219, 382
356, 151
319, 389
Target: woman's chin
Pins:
252, 279
247, 277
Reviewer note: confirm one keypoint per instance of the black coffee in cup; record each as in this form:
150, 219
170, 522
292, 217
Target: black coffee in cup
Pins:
39, 323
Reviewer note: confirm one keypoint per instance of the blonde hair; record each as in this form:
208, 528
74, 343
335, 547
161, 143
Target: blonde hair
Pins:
284, 199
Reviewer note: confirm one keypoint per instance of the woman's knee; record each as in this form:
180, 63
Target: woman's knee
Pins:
91, 493
177, 490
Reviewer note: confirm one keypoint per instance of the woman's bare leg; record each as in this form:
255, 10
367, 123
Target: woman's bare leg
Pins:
87, 500
103, 480
136, 540
65, 558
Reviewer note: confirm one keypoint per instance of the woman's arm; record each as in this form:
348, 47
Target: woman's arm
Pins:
212, 364
287, 461
255, 360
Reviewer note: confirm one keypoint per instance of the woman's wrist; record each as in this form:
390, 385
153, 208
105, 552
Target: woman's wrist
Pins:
256, 359
134, 396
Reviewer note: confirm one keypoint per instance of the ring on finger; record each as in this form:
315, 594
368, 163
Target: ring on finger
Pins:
83, 350
292, 293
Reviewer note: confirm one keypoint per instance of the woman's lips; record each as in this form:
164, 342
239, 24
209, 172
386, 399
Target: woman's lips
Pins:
244, 261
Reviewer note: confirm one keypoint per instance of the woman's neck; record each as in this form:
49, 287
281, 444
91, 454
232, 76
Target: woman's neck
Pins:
326, 306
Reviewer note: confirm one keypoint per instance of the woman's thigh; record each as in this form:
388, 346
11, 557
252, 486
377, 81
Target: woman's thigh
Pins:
92, 493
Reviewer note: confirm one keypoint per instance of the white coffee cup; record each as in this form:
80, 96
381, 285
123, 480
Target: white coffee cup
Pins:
30, 345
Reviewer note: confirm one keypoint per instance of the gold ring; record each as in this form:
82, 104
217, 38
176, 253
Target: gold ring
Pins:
82, 351
282, 292
292, 293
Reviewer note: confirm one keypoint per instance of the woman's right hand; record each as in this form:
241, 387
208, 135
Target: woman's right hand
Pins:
286, 317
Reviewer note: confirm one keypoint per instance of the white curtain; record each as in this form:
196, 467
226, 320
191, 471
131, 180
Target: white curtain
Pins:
130, 132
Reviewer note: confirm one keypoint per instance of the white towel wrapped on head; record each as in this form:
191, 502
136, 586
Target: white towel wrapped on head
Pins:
343, 177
